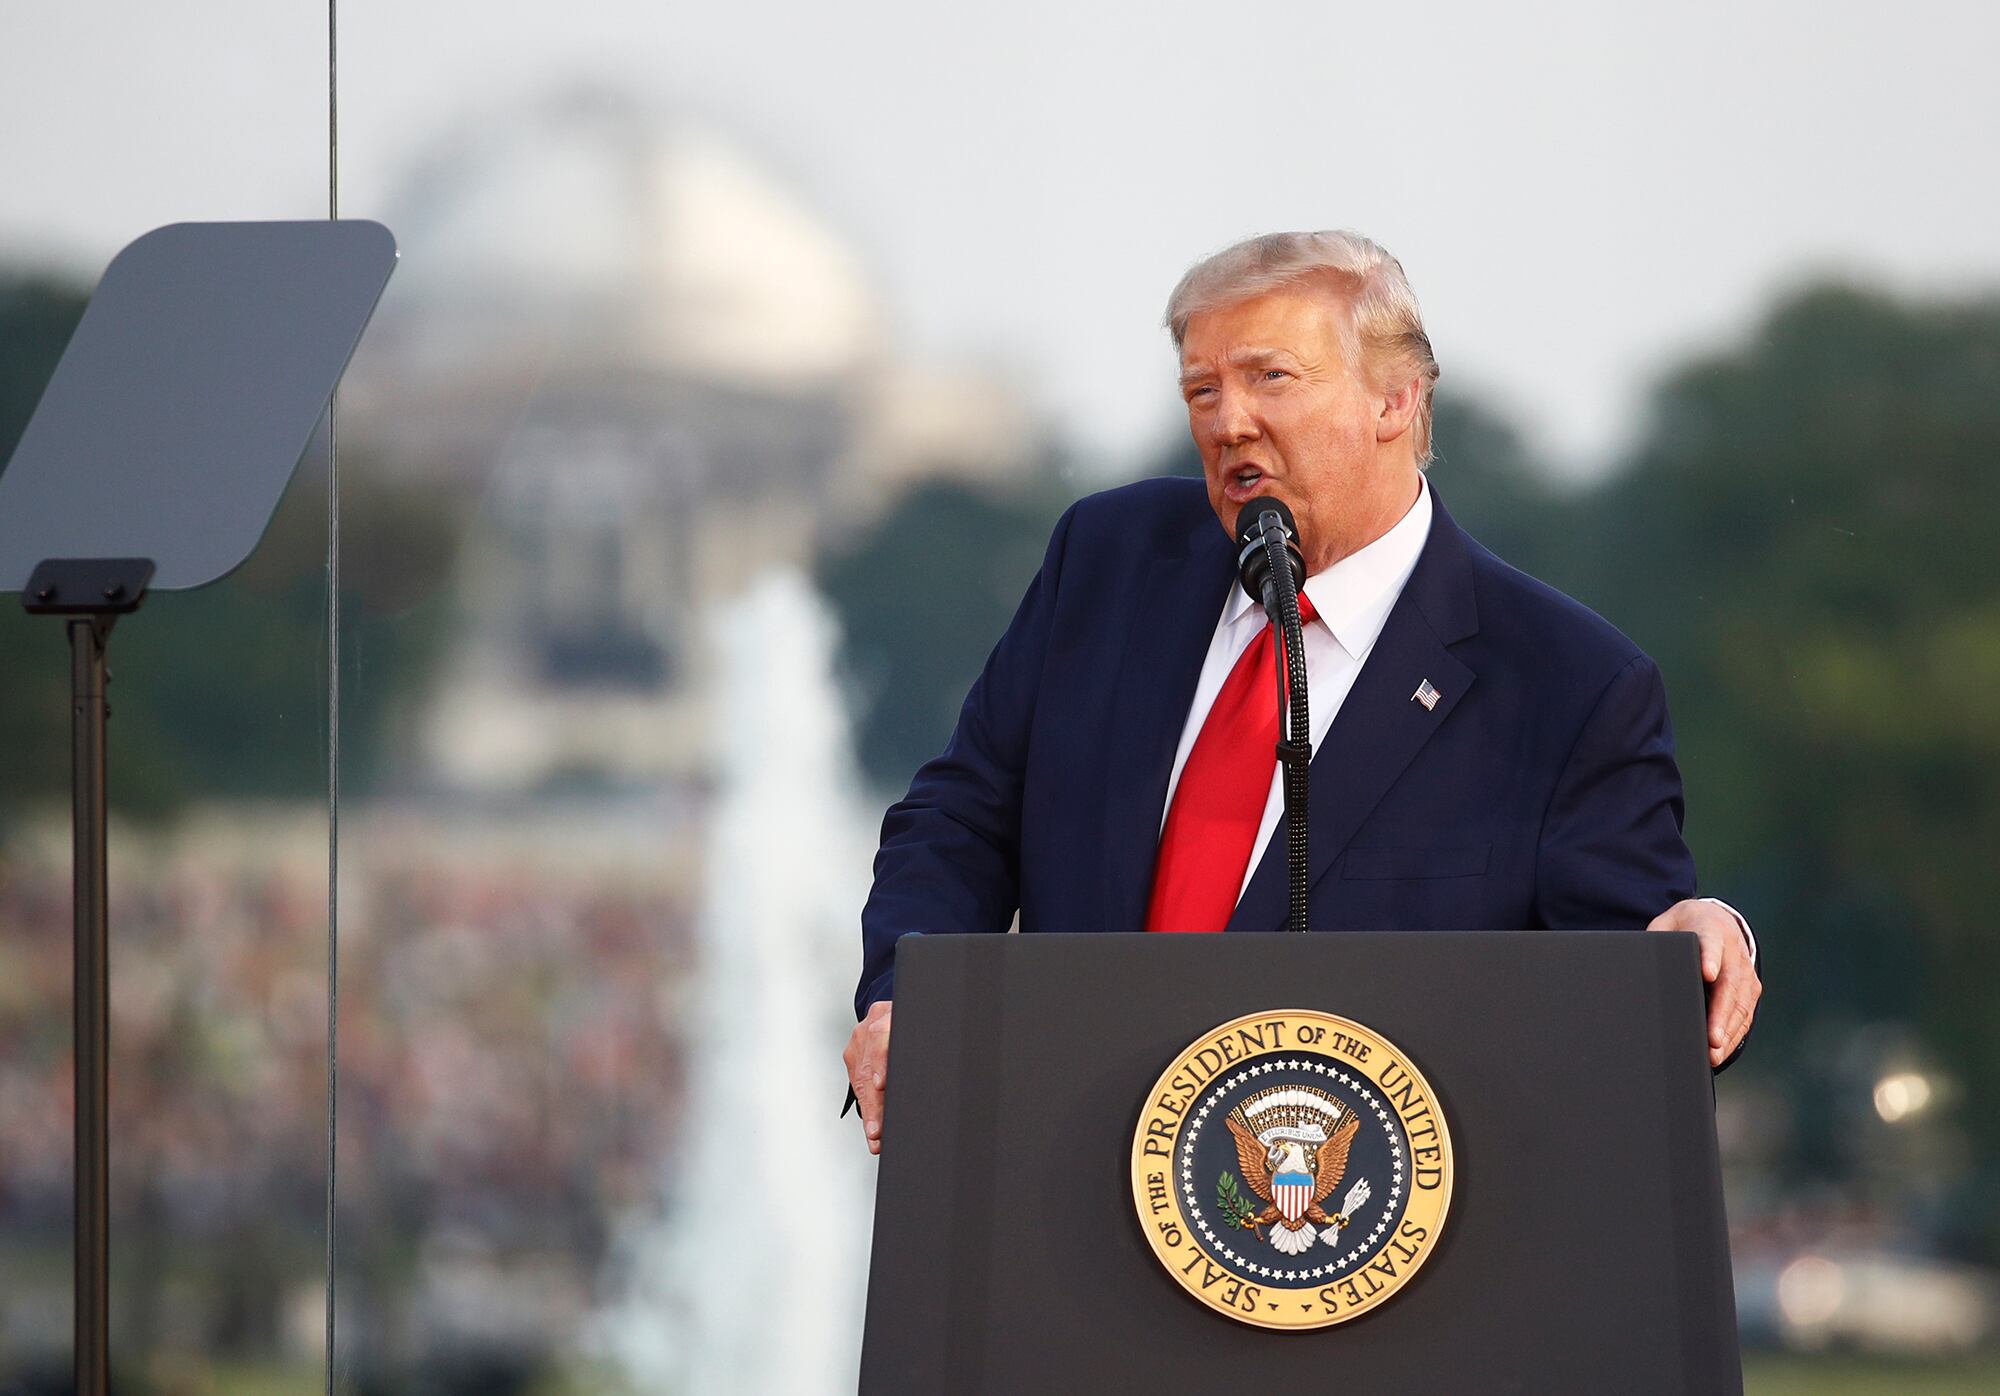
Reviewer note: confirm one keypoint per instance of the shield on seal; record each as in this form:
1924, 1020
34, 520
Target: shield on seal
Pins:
1292, 1192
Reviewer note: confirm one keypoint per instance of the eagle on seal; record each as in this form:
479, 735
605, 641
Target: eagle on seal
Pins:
1292, 1144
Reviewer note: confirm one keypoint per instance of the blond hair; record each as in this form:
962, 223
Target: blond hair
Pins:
1383, 327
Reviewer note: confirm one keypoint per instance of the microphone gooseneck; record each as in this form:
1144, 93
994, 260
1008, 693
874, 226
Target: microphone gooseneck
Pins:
1272, 570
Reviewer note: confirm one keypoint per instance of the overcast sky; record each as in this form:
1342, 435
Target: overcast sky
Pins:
1578, 190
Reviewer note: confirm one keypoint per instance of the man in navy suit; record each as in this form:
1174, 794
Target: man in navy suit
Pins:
1487, 753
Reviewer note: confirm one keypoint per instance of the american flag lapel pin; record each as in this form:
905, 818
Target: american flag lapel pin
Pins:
1426, 695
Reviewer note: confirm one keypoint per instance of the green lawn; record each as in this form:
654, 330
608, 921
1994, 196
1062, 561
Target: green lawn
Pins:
1765, 1375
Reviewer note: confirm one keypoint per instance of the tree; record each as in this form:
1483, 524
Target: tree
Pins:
922, 597
1803, 539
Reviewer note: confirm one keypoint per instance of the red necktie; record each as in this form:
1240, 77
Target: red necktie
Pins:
1212, 825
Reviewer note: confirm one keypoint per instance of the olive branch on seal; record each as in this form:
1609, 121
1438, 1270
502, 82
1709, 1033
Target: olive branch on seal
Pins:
1235, 1208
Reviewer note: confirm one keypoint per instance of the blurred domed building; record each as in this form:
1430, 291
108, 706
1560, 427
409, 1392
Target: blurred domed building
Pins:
636, 367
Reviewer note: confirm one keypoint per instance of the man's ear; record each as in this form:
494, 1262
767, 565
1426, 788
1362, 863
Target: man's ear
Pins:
1399, 408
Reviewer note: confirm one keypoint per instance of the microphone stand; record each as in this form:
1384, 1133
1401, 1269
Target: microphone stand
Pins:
1281, 604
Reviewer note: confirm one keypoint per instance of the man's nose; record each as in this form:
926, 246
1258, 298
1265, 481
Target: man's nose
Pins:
1233, 422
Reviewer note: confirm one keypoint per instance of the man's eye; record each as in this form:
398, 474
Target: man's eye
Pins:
1271, 375
1193, 393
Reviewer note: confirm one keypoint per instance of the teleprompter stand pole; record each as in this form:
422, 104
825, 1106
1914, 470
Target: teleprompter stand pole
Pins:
92, 593
91, 989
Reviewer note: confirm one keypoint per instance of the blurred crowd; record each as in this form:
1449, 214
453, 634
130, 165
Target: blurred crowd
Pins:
510, 1079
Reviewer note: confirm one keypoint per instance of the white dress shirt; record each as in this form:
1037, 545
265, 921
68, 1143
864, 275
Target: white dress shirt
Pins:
1353, 598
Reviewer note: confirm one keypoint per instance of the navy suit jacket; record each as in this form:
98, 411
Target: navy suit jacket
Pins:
1540, 792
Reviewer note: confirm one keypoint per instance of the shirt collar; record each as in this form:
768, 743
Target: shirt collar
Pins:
1356, 594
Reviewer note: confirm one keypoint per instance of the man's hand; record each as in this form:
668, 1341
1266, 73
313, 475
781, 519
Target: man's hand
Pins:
867, 1058
1733, 985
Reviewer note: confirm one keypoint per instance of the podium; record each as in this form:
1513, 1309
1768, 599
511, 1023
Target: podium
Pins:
1583, 1249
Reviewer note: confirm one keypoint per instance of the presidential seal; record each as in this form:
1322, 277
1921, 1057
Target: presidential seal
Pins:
1291, 1169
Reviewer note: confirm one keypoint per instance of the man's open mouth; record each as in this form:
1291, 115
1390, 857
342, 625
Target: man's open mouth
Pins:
1243, 482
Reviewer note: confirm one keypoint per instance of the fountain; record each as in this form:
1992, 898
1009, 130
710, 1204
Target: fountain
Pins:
755, 1282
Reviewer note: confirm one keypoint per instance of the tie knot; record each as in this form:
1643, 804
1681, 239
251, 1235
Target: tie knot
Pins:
1306, 612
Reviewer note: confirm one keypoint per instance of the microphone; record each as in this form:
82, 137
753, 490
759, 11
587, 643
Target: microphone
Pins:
1265, 529
1255, 524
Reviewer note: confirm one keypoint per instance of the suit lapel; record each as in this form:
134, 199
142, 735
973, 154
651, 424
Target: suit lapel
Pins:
1381, 726
1167, 636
